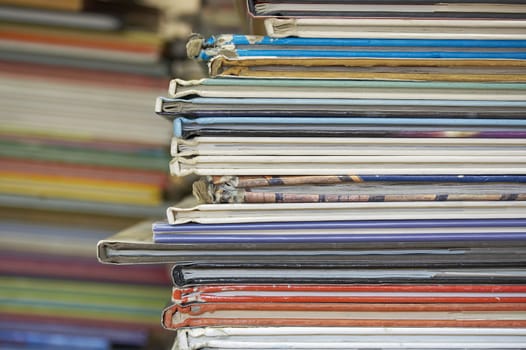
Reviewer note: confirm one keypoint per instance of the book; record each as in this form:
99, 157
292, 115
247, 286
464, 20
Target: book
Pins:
331, 146
240, 46
326, 314
382, 28
431, 8
376, 188
218, 274
456, 70
359, 244
345, 337
329, 165
343, 107
279, 212
345, 89
188, 127
349, 293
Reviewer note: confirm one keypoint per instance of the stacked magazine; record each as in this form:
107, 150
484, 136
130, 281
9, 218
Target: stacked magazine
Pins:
362, 181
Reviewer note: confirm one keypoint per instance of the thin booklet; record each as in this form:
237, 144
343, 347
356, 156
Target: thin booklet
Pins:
345, 89
246, 46
185, 276
280, 212
429, 69
359, 108
406, 28
355, 188
373, 8
347, 164
350, 293
325, 314
186, 128
374, 338
331, 146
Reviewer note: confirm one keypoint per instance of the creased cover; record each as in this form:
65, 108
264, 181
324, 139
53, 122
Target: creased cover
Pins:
137, 237
285, 189
501, 315
335, 107
375, 69
360, 293
237, 46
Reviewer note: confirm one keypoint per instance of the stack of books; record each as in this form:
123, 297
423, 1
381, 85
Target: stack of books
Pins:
80, 158
77, 66
359, 189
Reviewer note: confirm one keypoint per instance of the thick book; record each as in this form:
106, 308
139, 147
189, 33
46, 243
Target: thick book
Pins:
384, 338
343, 244
345, 188
135, 246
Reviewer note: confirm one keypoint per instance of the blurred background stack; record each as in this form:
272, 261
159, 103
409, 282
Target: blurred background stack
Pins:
81, 158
